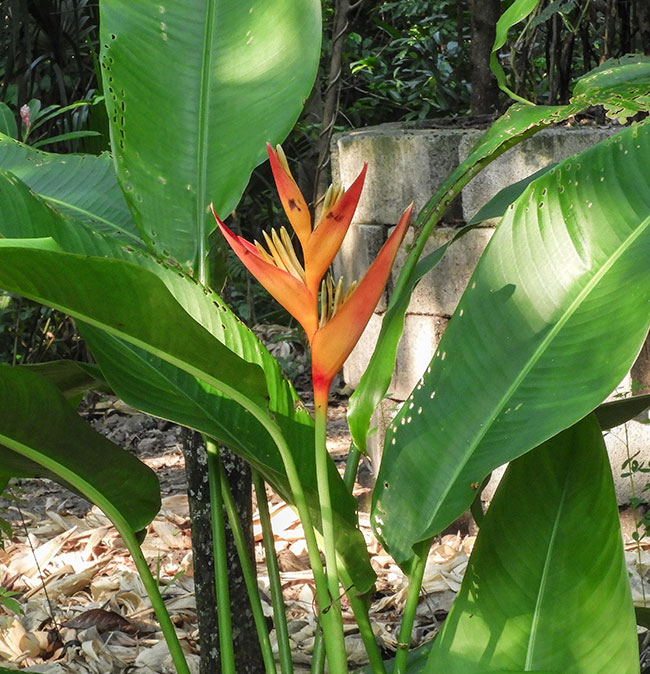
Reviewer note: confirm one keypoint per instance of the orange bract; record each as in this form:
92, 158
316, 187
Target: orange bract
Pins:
295, 284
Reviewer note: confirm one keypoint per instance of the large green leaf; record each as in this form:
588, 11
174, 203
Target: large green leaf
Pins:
71, 378
42, 436
83, 187
552, 319
496, 207
617, 412
129, 302
543, 590
621, 86
143, 378
194, 88
156, 387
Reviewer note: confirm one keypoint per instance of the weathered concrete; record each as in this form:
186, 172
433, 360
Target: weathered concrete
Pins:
439, 292
409, 165
546, 147
403, 166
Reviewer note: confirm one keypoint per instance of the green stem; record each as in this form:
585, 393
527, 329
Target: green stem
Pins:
360, 610
332, 629
277, 600
352, 466
157, 602
318, 654
358, 605
408, 618
351, 469
327, 517
220, 559
250, 577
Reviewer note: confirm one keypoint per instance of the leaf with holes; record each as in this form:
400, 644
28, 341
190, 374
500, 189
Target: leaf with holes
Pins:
83, 187
149, 378
64, 448
622, 85
219, 78
552, 319
542, 591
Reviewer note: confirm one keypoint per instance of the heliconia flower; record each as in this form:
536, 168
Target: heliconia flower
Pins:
335, 329
335, 339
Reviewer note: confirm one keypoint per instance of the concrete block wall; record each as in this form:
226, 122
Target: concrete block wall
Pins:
409, 165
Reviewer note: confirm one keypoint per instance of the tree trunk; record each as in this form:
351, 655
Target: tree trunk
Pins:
643, 19
330, 101
248, 658
484, 15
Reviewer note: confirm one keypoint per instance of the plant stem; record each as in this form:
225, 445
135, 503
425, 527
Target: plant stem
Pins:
318, 654
408, 618
157, 602
220, 559
359, 607
330, 621
360, 610
351, 466
250, 577
327, 517
279, 610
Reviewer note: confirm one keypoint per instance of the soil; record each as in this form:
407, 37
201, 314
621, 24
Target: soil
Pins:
83, 607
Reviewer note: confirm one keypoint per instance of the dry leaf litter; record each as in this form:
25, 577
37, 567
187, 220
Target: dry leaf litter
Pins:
84, 608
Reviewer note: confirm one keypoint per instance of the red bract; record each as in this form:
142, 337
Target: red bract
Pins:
336, 328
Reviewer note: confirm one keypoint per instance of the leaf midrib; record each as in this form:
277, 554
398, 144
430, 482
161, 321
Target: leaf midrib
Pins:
537, 354
202, 138
544, 579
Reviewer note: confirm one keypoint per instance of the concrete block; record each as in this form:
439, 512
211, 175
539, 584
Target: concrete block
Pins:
440, 290
403, 166
419, 341
545, 147
629, 440
359, 358
359, 249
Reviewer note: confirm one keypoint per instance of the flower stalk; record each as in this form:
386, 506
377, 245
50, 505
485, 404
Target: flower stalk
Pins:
333, 317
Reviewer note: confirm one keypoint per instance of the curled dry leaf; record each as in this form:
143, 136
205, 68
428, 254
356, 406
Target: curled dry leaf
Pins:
103, 621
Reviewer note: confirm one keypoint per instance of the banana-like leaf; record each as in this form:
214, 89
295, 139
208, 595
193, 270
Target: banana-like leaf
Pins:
129, 302
621, 86
158, 388
71, 378
82, 187
552, 319
143, 378
42, 436
496, 207
617, 412
542, 591
194, 88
